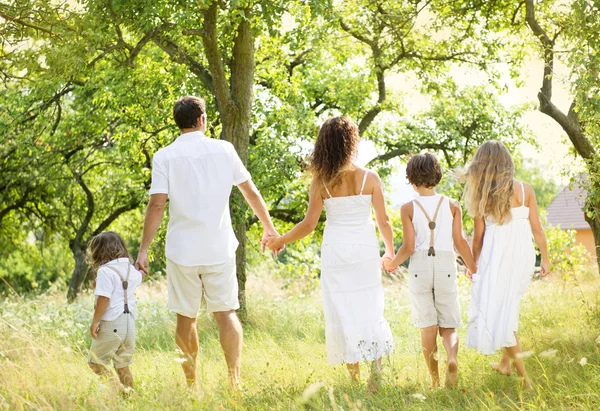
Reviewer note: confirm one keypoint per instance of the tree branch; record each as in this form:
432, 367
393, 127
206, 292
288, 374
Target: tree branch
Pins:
569, 122
215, 59
356, 34
113, 216
30, 25
89, 213
180, 56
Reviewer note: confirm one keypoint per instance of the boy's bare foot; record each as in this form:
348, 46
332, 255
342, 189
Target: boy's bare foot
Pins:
500, 368
451, 374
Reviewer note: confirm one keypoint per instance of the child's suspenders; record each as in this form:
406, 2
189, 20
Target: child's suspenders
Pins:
431, 251
124, 282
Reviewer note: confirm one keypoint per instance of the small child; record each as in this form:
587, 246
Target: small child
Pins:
113, 325
432, 225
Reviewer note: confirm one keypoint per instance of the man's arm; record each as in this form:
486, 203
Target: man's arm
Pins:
154, 215
258, 205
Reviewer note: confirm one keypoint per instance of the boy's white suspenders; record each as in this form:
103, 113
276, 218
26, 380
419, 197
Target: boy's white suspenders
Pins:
124, 282
431, 251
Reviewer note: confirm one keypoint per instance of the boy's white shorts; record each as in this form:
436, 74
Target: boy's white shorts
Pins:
187, 284
115, 342
433, 289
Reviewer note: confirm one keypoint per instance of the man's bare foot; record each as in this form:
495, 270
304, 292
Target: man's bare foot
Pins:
435, 382
451, 374
500, 368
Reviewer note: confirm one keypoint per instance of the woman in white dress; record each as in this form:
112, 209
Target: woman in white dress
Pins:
506, 218
353, 301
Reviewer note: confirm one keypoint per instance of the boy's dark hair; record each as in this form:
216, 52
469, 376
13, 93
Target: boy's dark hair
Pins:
187, 110
105, 247
424, 170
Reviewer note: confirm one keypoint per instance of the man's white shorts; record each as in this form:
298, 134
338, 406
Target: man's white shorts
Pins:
217, 282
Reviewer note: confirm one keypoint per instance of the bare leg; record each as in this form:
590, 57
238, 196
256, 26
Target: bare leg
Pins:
101, 370
231, 336
450, 339
354, 370
375, 377
125, 376
513, 353
503, 367
186, 337
429, 345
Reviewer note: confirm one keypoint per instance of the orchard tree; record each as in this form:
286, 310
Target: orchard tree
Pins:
572, 33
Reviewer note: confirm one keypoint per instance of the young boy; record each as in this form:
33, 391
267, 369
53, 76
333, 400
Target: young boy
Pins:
113, 325
432, 226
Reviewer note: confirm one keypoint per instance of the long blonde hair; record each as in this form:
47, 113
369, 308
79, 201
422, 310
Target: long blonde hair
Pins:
489, 181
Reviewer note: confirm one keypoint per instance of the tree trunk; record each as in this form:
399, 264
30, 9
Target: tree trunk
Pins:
595, 226
80, 272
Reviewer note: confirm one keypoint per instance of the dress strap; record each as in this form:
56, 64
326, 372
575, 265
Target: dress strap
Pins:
522, 194
326, 189
432, 224
124, 282
362, 187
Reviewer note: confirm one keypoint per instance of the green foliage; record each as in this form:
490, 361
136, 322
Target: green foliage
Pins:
545, 188
34, 266
567, 258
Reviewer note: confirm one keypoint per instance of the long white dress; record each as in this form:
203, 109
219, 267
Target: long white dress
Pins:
506, 266
353, 301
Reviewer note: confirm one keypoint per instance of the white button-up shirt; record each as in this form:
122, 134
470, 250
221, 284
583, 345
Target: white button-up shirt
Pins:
198, 173
110, 285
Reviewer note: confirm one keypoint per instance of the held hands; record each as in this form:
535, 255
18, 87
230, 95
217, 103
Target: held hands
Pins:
386, 262
273, 241
94, 330
472, 270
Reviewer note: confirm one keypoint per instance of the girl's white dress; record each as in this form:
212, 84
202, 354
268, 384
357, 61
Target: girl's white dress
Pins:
355, 328
506, 266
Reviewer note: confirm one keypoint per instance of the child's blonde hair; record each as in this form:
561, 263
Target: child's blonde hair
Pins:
489, 181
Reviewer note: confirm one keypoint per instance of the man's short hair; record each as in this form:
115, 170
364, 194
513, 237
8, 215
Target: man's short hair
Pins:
187, 111
424, 170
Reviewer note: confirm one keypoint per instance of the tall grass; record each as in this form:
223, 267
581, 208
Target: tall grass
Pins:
44, 344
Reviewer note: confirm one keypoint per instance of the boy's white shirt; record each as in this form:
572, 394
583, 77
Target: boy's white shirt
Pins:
197, 173
108, 284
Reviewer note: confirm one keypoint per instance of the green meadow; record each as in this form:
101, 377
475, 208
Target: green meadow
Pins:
44, 344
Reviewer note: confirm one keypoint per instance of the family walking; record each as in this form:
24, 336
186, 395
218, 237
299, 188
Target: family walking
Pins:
196, 174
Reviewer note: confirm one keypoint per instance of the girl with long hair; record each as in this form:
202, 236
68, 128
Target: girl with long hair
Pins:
506, 218
350, 262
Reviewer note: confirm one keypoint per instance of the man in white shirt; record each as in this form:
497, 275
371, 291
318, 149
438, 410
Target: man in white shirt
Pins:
196, 174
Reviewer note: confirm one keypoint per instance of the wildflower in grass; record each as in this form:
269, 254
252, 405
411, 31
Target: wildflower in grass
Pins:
548, 353
419, 396
525, 354
311, 391
583, 361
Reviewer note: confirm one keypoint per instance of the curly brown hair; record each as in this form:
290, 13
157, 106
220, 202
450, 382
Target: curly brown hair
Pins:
105, 247
335, 149
424, 170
